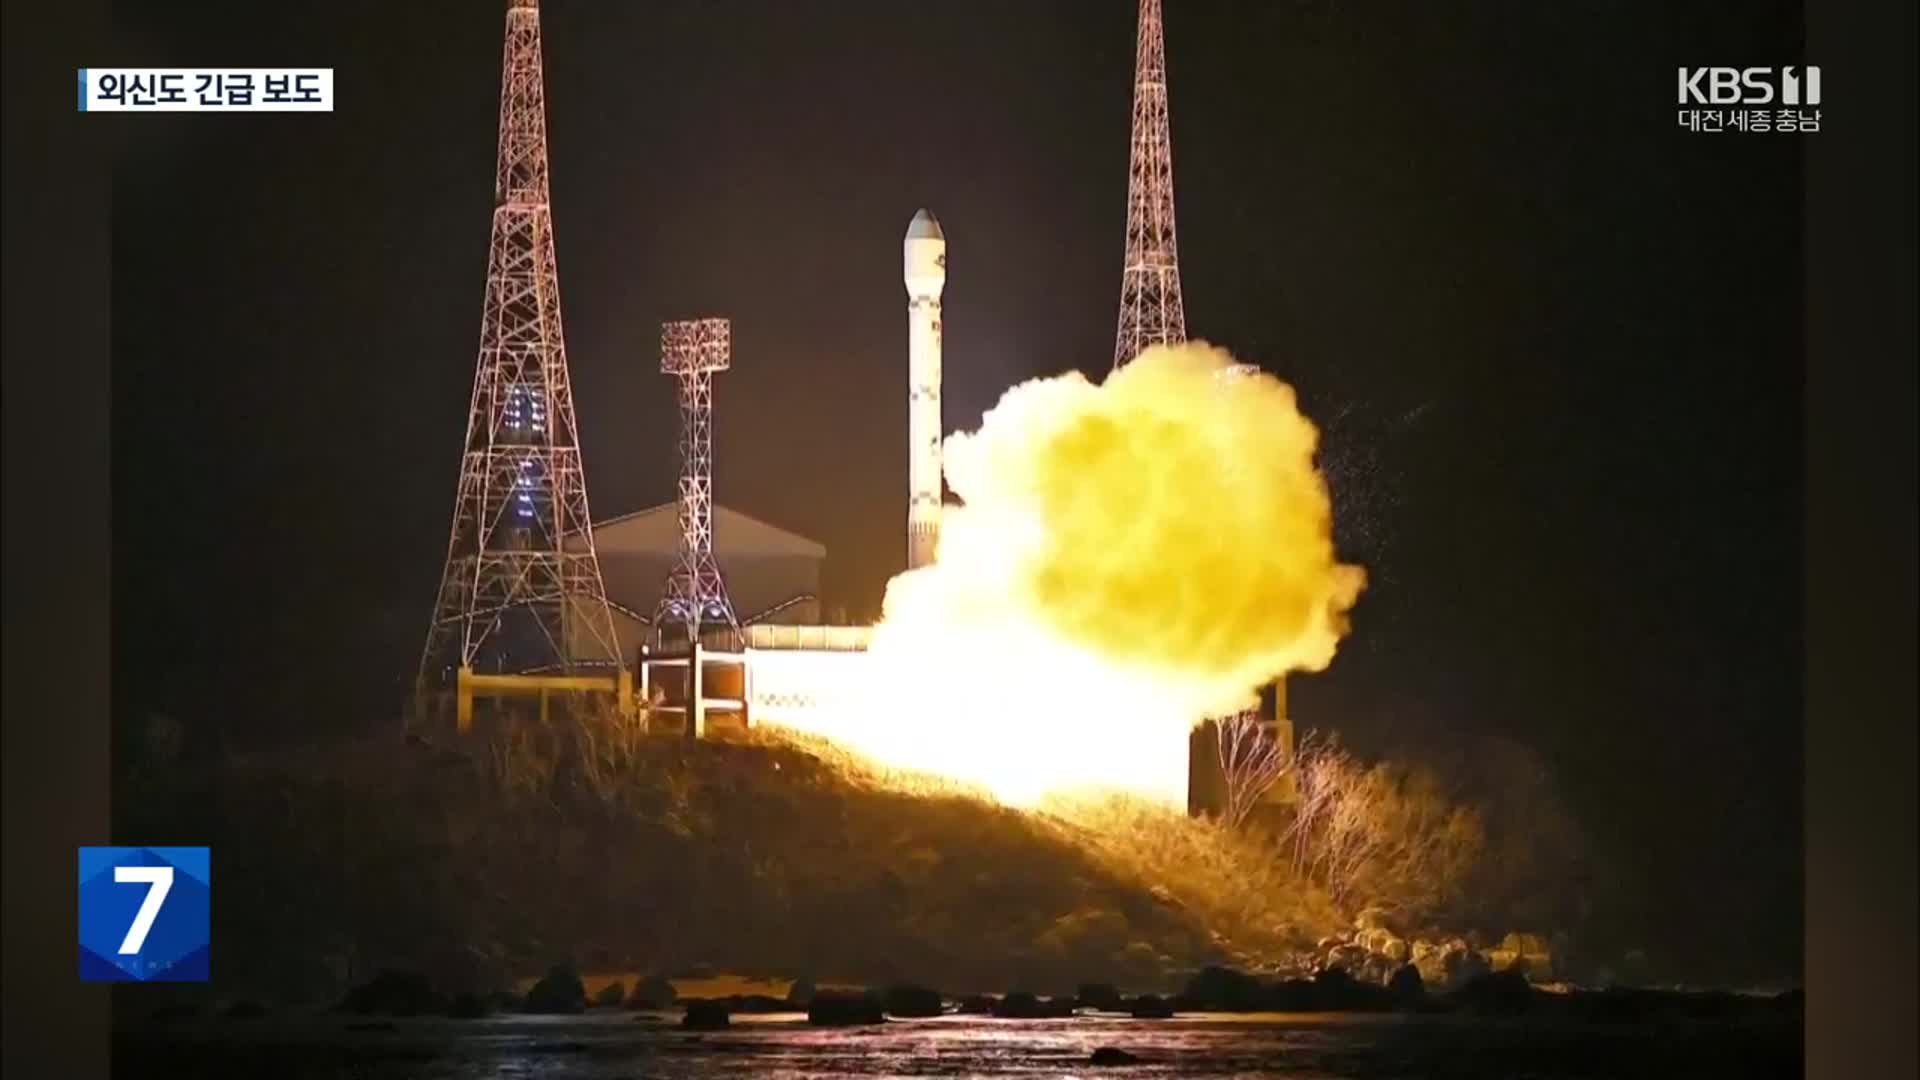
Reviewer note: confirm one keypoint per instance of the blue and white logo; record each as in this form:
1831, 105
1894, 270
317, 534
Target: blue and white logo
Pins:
145, 914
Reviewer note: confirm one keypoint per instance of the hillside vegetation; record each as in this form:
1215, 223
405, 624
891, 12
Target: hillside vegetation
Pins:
586, 842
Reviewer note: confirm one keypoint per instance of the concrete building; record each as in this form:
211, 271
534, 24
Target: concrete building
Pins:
772, 574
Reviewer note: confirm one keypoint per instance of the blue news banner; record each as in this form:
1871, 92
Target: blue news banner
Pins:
145, 914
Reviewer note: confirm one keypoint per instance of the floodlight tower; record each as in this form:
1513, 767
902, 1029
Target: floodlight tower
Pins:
521, 590
695, 592
1151, 311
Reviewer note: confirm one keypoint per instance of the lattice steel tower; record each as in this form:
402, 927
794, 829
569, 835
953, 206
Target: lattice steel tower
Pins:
1151, 312
522, 590
695, 593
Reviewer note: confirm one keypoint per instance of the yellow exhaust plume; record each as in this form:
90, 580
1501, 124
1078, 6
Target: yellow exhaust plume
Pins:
1131, 557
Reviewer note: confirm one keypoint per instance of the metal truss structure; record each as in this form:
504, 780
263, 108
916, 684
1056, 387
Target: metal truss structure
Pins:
1151, 311
522, 590
695, 592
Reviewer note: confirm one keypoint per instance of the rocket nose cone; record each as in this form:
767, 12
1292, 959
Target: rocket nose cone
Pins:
924, 226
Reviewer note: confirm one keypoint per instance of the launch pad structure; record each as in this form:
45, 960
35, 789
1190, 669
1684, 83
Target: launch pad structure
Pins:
521, 608
705, 678
522, 538
1153, 312
696, 593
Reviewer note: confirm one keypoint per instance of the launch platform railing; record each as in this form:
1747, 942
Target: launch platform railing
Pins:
773, 636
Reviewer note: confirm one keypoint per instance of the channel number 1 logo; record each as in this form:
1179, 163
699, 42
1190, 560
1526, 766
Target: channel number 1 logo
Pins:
144, 914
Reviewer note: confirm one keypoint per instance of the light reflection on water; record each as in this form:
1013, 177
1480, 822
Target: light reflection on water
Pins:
782, 1047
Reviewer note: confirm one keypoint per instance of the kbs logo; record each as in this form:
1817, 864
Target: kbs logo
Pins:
1749, 86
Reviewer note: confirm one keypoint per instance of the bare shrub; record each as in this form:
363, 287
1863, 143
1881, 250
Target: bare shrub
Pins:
1385, 834
1252, 760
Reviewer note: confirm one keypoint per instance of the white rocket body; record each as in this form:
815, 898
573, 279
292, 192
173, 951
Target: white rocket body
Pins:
926, 278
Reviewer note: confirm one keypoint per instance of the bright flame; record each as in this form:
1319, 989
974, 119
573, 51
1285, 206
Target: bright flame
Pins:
1131, 558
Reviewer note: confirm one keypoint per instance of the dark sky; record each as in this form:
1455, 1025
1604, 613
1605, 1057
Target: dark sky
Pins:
1555, 342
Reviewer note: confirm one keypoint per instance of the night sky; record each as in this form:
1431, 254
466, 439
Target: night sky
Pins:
1554, 340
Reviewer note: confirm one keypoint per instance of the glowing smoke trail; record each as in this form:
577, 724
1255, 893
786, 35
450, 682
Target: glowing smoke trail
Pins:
1130, 558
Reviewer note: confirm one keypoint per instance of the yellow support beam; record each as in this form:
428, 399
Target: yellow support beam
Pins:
698, 728
534, 684
467, 685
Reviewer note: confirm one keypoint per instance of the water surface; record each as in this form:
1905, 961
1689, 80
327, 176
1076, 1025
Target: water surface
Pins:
623, 1046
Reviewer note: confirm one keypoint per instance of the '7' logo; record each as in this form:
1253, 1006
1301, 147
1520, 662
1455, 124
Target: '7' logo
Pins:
160, 932
159, 882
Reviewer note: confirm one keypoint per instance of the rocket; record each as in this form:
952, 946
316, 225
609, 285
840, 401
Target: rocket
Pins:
926, 278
